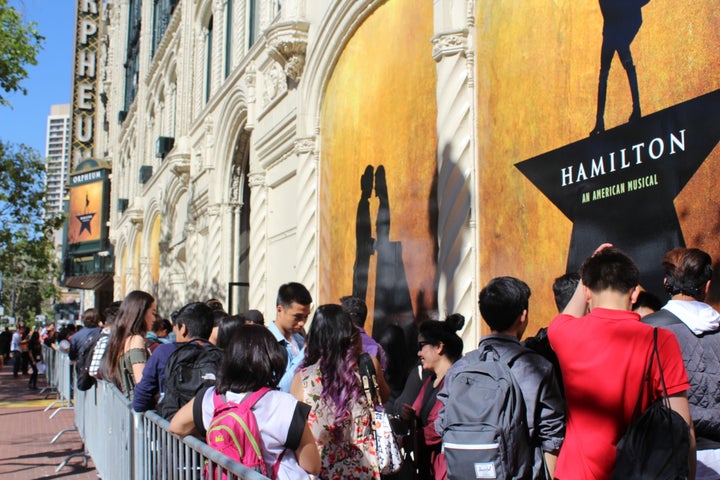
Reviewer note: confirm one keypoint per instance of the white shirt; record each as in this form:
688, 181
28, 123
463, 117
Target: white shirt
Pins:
274, 413
15, 342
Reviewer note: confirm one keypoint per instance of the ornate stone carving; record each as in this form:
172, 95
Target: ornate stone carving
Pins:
450, 43
275, 83
288, 43
304, 145
256, 179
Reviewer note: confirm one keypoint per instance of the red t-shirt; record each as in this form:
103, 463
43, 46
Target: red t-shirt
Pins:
603, 357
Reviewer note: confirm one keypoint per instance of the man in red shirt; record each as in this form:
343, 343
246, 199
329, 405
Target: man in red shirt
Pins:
603, 356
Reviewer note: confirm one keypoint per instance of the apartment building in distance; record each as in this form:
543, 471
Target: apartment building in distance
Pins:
57, 156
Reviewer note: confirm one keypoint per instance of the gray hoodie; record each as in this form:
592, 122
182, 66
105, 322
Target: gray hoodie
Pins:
698, 334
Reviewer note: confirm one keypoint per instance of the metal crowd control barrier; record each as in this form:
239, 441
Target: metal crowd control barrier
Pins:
126, 445
49, 360
110, 440
63, 382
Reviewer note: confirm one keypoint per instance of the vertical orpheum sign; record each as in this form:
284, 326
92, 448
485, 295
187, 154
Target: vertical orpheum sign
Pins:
84, 80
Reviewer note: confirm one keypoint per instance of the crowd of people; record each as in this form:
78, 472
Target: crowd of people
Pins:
578, 378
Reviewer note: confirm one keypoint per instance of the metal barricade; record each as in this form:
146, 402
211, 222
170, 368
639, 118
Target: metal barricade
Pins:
49, 359
63, 383
126, 445
110, 441
185, 458
79, 416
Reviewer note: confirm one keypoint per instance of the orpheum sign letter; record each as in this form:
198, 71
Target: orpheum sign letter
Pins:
84, 80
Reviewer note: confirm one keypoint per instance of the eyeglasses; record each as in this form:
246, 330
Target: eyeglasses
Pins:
420, 345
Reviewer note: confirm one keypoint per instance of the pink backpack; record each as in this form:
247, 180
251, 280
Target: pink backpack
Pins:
234, 432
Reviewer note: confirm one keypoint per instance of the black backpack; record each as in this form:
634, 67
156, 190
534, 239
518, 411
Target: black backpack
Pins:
82, 365
189, 368
656, 444
483, 421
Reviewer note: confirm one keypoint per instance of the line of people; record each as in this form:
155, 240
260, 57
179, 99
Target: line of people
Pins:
578, 378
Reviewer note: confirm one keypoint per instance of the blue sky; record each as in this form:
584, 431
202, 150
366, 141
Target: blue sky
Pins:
50, 81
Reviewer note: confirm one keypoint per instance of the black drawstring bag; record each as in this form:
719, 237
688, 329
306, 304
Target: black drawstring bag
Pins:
656, 444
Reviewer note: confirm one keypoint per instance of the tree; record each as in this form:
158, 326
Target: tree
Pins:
20, 43
27, 258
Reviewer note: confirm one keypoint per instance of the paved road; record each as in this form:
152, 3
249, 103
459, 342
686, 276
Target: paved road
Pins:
26, 431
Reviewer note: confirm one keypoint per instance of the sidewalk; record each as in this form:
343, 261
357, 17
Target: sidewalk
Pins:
26, 431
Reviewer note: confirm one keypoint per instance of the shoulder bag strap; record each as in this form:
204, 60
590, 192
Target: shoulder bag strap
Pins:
656, 352
367, 373
647, 379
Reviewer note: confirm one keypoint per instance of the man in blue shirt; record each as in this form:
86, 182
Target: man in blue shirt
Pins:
293, 309
193, 321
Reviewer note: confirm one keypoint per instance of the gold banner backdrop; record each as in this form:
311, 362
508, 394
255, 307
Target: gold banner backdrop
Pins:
378, 123
537, 85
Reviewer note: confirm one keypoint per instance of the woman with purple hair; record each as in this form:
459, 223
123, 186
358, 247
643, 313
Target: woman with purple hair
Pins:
329, 381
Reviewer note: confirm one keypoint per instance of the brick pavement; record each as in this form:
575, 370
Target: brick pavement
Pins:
26, 431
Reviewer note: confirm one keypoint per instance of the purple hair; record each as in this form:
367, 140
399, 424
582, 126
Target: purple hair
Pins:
334, 341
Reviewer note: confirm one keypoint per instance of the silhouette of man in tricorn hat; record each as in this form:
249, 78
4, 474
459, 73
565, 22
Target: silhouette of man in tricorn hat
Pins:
622, 20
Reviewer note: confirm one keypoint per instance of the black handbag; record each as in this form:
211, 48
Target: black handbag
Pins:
656, 444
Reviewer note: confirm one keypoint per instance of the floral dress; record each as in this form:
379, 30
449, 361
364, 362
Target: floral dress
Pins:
354, 456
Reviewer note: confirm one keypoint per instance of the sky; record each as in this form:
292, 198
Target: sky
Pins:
50, 81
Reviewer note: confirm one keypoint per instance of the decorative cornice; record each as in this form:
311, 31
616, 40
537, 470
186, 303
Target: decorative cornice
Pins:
287, 42
450, 43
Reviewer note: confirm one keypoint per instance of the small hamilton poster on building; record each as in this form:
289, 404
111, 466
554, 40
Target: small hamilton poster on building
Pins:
85, 208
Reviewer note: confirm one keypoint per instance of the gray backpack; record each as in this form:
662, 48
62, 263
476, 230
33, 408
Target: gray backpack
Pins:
483, 421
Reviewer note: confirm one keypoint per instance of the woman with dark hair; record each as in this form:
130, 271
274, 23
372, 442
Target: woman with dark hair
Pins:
226, 328
218, 316
329, 381
35, 354
253, 359
399, 361
438, 347
126, 353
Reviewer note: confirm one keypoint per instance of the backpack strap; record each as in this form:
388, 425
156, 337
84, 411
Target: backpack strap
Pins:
276, 467
514, 350
221, 402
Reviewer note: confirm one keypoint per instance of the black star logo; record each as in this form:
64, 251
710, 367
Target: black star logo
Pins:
85, 220
619, 186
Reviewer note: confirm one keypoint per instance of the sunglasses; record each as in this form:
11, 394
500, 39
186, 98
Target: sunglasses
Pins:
420, 345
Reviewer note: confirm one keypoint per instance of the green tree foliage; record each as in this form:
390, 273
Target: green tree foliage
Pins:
27, 258
20, 43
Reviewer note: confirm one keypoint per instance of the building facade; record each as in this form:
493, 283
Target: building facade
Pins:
362, 146
57, 156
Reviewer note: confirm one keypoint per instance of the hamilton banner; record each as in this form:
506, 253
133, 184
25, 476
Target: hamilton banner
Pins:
86, 230
619, 186
598, 124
